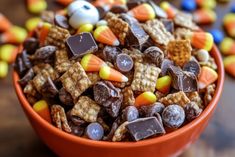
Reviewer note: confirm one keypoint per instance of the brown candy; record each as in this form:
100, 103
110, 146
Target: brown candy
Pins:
130, 113
143, 128
61, 21
173, 116
110, 53
124, 62
49, 89
30, 45
22, 63
118, 9
193, 67
65, 97
27, 77
151, 110
94, 131
192, 111
76, 130
154, 55
165, 66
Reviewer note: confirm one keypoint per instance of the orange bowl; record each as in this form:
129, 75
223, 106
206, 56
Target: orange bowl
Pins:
171, 144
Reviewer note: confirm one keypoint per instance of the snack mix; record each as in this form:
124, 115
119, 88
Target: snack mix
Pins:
126, 73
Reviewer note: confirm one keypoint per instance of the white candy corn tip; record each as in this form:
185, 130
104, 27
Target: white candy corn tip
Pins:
116, 43
201, 85
124, 79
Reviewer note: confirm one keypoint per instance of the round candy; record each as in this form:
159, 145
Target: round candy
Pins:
173, 116
188, 5
94, 131
193, 67
82, 12
124, 62
202, 55
85, 28
218, 35
192, 111
130, 113
151, 110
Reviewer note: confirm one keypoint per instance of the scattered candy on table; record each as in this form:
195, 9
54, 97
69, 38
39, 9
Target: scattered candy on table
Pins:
169, 9
218, 35
32, 23
227, 46
188, 5
5, 23
14, 35
229, 65
3, 69
36, 6
204, 16
229, 24
8, 53
210, 4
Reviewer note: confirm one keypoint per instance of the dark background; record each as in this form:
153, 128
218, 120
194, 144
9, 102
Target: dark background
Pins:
17, 138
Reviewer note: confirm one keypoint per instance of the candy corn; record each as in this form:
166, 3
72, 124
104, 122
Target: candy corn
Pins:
207, 77
169, 9
32, 23
229, 65
8, 53
164, 84
227, 46
5, 24
64, 2
14, 35
104, 35
119, 2
91, 63
42, 108
143, 12
146, 98
36, 6
100, 3
204, 16
201, 40
85, 28
210, 4
45, 28
110, 74
3, 69
229, 24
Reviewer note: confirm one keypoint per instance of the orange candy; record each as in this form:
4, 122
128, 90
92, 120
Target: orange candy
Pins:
164, 84
110, 74
91, 63
207, 77
64, 2
229, 65
204, 16
170, 10
229, 24
44, 30
5, 24
104, 35
143, 12
36, 6
14, 35
42, 108
146, 98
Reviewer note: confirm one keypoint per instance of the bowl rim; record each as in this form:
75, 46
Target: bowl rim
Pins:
27, 107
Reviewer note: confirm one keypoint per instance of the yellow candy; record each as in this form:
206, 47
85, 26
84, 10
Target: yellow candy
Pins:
164, 84
110, 74
85, 28
42, 108
32, 23
8, 52
145, 98
36, 6
227, 46
3, 69
229, 65
210, 4
229, 24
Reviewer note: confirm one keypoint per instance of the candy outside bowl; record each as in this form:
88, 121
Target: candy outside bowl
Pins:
171, 144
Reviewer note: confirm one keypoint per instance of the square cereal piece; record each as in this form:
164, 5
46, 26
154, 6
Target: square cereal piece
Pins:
59, 118
179, 51
145, 77
178, 98
62, 63
86, 109
185, 20
75, 81
158, 32
94, 77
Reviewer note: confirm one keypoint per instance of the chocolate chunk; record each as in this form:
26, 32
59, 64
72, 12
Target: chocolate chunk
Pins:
94, 131
192, 111
165, 66
31, 45
130, 113
154, 55
169, 25
81, 44
102, 11
151, 110
124, 62
133, 3
44, 54
118, 9
114, 108
49, 89
158, 11
22, 63
136, 35
182, 80
173, 116
61, 21
143, 128
75, 119
110, 53
76, 130
27, 77
65, 97
193, 67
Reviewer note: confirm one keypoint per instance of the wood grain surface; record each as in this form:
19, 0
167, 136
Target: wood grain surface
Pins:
17, 138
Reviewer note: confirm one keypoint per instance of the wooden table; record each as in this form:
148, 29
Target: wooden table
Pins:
18, 139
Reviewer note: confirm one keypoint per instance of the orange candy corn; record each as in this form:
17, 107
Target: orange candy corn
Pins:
110, 74
32, 23
229, 65
170, 10
229, 24
42, 108
146, 98
227, 46
143, 12
102, 3
36, 6
91, 63
8, 53
207, 77
104, 35
64, 2
209, 4
14, 35
204, 16
5, 24
44, 30
201, 40
164, 84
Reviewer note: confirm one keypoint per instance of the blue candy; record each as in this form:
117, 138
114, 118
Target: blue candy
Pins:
218, 35
188, 5
233, 8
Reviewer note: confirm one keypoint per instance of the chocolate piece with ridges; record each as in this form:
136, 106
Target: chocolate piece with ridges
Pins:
124, 62
165, 66
130, 113
26, 78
